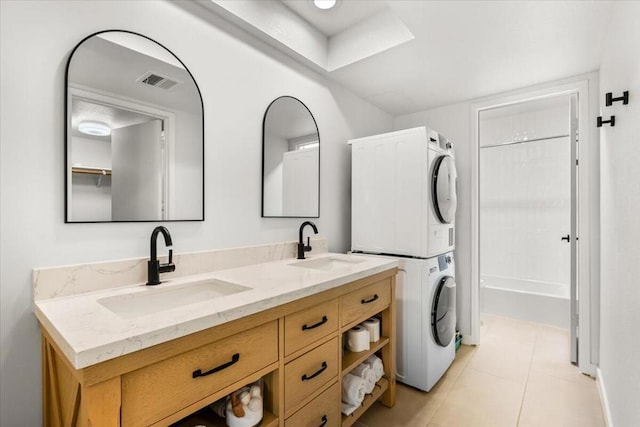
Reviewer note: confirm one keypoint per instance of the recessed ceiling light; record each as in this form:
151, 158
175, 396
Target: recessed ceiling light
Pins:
324, 4
94, 128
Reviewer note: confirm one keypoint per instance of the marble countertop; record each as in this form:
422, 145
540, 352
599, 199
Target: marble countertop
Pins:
89, 331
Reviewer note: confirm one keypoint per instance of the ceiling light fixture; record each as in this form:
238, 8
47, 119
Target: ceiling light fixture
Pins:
324, 4
94, 128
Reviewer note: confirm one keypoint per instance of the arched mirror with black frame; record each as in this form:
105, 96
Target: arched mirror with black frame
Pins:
134, 132
290, 160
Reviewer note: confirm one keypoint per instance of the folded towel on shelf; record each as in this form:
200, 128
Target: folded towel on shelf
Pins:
349, 409
375, 363
366, 373
353, 389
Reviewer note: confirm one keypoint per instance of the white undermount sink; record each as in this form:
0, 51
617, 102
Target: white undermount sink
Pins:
330, 263
154, 299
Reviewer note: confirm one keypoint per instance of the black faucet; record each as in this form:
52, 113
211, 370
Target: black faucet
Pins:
154, 268
301, 247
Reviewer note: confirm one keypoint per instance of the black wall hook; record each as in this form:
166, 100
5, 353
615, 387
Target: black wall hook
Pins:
609, 99
611, 121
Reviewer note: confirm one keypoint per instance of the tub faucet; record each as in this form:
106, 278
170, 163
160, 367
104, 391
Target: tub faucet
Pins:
301, 246
154, 268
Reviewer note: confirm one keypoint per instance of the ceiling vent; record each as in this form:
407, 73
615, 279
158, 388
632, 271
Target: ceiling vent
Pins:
156, 80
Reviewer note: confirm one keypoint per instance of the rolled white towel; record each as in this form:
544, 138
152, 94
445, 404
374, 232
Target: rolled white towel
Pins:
349, 409
353, 389
375, 363
366, 373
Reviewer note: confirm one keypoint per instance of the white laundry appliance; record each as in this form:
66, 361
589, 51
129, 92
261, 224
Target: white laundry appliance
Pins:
403, 198
426, 319
403, 205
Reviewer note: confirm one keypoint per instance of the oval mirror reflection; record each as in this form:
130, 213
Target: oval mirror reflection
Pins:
290, 160
134, 133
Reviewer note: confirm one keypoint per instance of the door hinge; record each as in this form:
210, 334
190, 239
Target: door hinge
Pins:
577, 162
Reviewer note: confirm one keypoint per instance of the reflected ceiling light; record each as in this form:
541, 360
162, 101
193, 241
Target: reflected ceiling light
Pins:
324, 4
94, 128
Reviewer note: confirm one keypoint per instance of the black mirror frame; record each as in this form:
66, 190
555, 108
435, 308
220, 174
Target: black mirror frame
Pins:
264, 122
66, 132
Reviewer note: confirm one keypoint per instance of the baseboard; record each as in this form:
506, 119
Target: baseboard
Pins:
469, 340
602, 391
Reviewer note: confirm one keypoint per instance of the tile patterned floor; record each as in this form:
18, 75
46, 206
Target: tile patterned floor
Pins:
519, 376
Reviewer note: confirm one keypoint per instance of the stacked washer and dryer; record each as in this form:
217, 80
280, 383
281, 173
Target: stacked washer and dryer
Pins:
403, 206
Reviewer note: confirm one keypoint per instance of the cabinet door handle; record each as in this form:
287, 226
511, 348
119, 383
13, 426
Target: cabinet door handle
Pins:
324, 421
324, 366
367, 301
320, 323
198, 373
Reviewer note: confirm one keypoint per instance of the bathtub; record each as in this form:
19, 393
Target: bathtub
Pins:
540, 302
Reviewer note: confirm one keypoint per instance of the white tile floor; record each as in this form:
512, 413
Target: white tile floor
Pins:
520, 375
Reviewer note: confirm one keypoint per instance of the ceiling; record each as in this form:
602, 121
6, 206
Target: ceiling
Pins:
105, 64
344, 15
460, 50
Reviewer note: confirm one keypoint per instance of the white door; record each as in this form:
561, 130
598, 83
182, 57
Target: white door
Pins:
138, 172
300, 183
573, 236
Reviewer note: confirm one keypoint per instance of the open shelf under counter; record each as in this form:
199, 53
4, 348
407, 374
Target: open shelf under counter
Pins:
350, 360
208, 418
369, 399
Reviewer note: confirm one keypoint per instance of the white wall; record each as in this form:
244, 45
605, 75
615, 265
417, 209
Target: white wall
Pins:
620, 239
273, 166
238, 81
186, 174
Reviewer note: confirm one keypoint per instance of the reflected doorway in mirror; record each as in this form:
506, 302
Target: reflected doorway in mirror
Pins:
290, 160
154, 155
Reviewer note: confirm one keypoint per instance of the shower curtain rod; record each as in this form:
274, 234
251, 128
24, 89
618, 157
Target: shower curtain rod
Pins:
527, 140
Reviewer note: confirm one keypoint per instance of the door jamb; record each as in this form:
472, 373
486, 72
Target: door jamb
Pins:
584, 279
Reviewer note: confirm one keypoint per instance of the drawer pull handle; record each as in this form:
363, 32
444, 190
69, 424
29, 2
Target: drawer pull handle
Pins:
324, 366
199, 373
320, 323
324, 421
367, 301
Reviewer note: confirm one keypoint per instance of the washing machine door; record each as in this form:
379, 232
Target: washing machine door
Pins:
443, 189
443, 312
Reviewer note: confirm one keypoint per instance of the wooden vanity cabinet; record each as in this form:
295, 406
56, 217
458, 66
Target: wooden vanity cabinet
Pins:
296, 348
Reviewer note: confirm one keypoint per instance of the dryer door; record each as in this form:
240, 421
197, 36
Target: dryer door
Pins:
443, 311
443, 189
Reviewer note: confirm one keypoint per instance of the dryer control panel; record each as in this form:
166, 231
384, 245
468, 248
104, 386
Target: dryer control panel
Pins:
444, 261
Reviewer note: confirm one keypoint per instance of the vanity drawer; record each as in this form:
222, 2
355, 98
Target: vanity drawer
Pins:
365, 302
306, 326
309, 372
324, 407
156, 391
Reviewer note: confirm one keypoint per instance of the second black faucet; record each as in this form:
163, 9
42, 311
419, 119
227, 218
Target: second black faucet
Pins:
154, 268
301, 246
